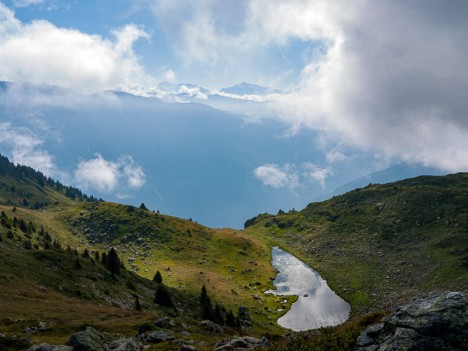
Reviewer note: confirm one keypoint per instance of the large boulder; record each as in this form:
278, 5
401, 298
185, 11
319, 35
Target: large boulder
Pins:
88, 340
434, 323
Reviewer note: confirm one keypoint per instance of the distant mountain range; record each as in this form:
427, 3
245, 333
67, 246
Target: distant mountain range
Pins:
249, 89
391, 174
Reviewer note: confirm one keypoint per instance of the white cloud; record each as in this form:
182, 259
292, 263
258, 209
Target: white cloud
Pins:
391, 80
386, 76
132, 171
292, 176
41, 52
316, 173
277, 176
106, 176
334, 156
26, 3
24, 147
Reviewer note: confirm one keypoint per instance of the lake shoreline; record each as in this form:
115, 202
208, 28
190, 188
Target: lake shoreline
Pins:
317, 305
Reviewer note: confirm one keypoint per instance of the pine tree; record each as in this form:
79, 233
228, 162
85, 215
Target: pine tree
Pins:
230, 319
205, 303
113, 262
218, 315
86, 253
163, 297
137, 303
104, 258
158, 278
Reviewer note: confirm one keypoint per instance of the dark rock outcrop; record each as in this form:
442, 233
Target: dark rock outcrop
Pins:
88, 340
165, 323
211, 327
159, 336
241, 343
432, 323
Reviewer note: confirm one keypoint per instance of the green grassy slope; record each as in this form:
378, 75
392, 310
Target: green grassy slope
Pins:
41, 282
381, 245
377, 247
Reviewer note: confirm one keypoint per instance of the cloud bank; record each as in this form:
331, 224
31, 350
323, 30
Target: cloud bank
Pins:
391, 81
388, 77
41, 52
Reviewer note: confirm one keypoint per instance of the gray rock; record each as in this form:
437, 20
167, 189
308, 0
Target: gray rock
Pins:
438, 322
165, 323
241, 343
42, 347
159, 336
63, 348
211, 327
30, 330
185, 347
125, 345
47, 347
88, 340
42, 326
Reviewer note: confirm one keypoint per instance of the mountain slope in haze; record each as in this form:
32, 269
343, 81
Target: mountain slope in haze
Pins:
190, 153
387, 175
381, 245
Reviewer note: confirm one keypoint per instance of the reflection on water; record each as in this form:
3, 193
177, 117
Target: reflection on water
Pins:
318, 306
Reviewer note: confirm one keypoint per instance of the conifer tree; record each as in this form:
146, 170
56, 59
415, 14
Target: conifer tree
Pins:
205, 303
137, 303
163, 297
230, 319
218, 315
113, 262
158, 278
86, 253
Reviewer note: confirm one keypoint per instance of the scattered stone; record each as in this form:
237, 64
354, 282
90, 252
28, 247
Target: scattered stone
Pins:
211, 327
125, 345
159, 336
241, 343
87, 340
434, 323
185, 347
42, 326
244, 317
47, 347
30, 330
165, 323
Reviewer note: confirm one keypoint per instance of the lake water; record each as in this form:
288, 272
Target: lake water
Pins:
318, 306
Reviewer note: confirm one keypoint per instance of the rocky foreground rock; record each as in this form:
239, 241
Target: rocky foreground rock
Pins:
434, 323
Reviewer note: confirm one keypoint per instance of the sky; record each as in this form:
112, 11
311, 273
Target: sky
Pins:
387, 78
